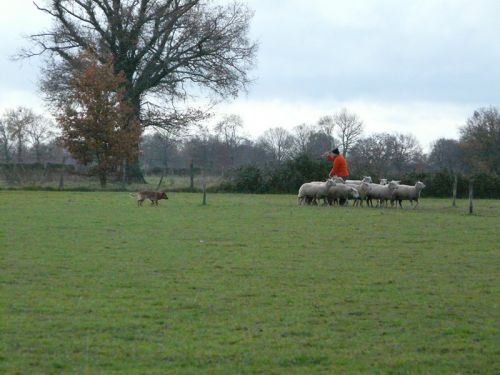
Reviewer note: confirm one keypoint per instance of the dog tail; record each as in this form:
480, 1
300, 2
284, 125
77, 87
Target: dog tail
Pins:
133, 195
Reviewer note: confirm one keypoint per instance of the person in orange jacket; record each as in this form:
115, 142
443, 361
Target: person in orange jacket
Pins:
339, 164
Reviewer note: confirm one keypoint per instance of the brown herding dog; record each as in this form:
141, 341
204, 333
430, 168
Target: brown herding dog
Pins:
153, 196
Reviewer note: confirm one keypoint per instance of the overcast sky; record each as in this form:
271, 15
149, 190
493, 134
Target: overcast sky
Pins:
411, 66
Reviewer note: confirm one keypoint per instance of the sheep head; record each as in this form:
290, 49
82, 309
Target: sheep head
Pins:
364, 185
330, 182
393, 185
339, 180
354, 192
419, 185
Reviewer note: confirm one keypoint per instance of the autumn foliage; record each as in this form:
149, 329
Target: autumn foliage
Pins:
99, 128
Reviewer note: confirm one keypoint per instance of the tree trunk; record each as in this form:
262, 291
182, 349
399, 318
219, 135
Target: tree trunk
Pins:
19, 151
6, 153
134, 173
163, 174
38, 152
124, 173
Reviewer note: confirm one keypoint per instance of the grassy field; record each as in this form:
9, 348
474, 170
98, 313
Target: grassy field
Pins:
247, 284
80, 183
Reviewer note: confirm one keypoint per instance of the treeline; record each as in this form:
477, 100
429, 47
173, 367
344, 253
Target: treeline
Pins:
225, 147
278, 161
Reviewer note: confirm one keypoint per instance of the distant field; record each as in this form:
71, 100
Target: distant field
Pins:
79, 183
248, 284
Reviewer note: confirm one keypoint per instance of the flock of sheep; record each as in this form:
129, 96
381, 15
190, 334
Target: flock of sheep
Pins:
337, 191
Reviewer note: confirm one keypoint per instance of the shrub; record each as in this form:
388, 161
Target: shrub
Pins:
288, 176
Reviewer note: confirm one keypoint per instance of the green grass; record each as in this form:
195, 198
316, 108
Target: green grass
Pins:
248, 284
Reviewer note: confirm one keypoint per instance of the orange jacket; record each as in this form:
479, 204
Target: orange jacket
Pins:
339, 166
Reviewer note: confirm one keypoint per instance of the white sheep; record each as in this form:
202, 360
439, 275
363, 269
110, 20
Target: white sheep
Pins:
407, 192
381, 192
358, 182
340, 194
309, 192
338, 180
384, 181
363, 192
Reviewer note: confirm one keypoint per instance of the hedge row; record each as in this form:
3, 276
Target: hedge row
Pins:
287, 178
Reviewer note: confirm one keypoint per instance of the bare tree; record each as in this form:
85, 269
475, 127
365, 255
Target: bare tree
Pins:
39, 131
326, 125
167, 51
278, 142
406, 152
371, 156
446, 154
5, 142
349, 129
17, 121
302, 135
382, 155
229, 131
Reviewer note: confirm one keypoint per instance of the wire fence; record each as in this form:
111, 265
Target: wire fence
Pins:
52, 176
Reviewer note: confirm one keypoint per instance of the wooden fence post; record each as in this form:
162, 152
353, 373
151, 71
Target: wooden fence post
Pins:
471, 196
204, 185
191, 175
455, 183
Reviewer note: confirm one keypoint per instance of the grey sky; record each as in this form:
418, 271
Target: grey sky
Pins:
419, 66
384, 50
